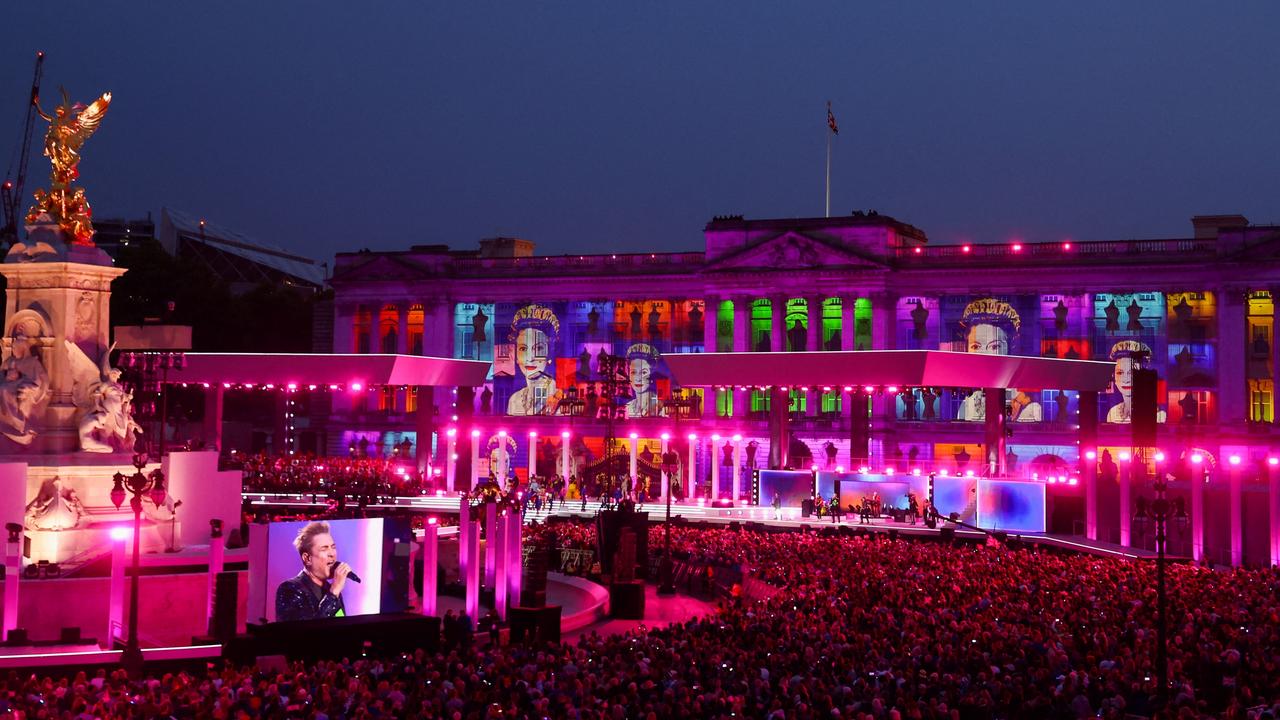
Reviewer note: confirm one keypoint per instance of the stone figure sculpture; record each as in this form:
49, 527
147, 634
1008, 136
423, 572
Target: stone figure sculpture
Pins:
55, 507
107, 423
24, 383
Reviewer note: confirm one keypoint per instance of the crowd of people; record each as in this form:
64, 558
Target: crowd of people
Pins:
866, 628
332, 476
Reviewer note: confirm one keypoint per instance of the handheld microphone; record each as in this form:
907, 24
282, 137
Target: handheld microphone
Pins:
352, 576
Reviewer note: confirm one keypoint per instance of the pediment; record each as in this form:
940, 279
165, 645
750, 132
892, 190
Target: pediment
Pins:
794, 251
384, 268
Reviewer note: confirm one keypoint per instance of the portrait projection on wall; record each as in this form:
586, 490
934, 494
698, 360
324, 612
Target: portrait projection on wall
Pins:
994, 326
1193, 319
534, 332
1129, 330
918, 324
643, 369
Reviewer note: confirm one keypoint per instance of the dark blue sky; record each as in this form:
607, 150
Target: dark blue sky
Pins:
326, 126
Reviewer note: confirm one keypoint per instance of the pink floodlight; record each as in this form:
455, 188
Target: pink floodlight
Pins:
968, 473
1125, 456
665, 436
839, 468
502, 433
814, 467
1066, 246
120, 533
1052, 480
564, 434
1073, 481
915, 471
888, 471
868, 389
848, 388
633, 436
431, 521
1017, 247
965, 249
1158, 457
451, 432
475, 433
692, 437
918, 249
1197, 458
357, 387
1091, 455
715, 438
944, 472
1234, 459
533, 433
1273, 461
292, 386
737, 438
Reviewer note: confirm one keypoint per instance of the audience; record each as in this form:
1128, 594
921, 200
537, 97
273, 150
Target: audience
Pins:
869, 629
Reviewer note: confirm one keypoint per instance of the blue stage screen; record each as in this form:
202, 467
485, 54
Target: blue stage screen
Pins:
1010, 505
792, 486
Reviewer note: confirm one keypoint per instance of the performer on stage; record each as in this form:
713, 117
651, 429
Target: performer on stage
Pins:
316, 592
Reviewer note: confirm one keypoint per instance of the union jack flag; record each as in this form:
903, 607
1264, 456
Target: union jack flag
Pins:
831, 121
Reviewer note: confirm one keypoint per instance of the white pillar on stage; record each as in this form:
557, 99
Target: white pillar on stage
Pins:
1273, 501
116, 589
1235, 490
715, 468
666, 477
503, 460
1198, 475
515, 563
490, 547
1091, 494
472, 575
635, 453
12, 578
1126, 507
737, 468
430, 566
475, 458
217, 547
564, 455
498, 539
533, 455
691, 480
451, 460
464, 527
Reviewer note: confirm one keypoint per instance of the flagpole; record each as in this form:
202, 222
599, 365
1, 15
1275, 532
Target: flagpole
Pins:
828, 206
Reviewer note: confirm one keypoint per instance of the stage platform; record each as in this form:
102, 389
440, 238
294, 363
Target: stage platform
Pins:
791, 518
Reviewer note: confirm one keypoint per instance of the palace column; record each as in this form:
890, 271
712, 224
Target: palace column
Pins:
884, 404
1125, 505
715, 469
813, 343
711, 324
402, 328
344, 327
778, 323
737, 468
1273, 506
424, 421
1232, 407
779, 427
741, 343
1199, 472
847, 330
1235, 494
994, 428
1275, 357
692, 481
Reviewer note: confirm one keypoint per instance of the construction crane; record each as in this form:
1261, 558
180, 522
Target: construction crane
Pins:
12, 188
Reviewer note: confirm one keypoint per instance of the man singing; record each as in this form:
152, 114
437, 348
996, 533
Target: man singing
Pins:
316, 592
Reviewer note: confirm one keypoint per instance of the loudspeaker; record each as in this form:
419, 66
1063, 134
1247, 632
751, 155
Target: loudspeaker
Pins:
626, 600
225, 596
1144, 408
948, 534
535, 625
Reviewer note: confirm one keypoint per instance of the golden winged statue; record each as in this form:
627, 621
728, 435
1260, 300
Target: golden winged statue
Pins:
69, 127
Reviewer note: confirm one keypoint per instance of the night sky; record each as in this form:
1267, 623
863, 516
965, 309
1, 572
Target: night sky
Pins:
589, 127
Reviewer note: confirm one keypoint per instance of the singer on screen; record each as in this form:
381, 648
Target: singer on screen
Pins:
316, 592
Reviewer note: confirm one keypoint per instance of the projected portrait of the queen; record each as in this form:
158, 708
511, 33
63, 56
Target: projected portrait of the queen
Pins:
641, 360
990, 326
533, 333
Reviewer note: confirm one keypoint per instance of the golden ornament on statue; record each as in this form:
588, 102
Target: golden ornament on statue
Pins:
69, 127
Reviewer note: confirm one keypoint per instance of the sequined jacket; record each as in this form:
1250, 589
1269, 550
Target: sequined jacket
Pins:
298, 598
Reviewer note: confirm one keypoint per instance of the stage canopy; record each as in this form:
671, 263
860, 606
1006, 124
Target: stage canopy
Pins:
903, 368
328, 369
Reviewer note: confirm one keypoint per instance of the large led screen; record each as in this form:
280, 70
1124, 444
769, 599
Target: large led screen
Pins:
793, 487
1011, 505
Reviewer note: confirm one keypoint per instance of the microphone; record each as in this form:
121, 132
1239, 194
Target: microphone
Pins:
352, 576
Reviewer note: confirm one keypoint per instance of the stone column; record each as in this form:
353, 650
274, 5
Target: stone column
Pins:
475, 459
635, 452
402, 328
778, 324
779, 427
666, 477
813, 334
1198, 474
490, 543
515, 562
471, 575
882, 305
116, 598
715, 468
564, 455
498, 540
503, 461
533, 456
847, 329
344, 327
1233, 405
994, 427
710, 324
741, 343
737, 468
691, 481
